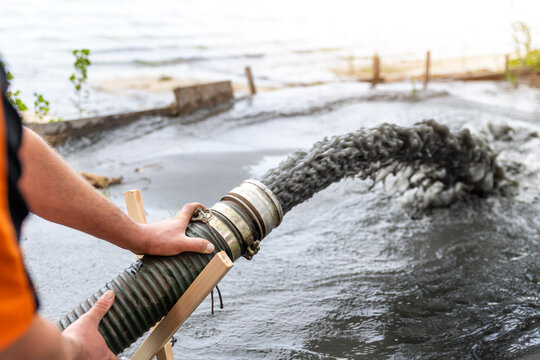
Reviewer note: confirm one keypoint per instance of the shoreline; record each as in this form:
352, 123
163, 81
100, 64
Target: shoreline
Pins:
392, 70
395, 69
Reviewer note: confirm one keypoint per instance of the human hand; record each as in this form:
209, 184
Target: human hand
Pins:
84, 332
168, 237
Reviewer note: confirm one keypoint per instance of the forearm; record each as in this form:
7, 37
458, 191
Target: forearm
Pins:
41, 342
57, 193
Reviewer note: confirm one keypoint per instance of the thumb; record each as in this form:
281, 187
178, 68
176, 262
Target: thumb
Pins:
196, 245
100, 308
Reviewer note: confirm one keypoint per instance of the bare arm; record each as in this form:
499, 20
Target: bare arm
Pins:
57, 193
81, 340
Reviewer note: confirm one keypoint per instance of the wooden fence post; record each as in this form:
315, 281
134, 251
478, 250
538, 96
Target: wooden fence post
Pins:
249, 76
376, 70
427, 76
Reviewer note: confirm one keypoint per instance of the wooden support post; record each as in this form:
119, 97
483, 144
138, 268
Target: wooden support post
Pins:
249, 75
135, 211
134, 205
194, 295
506, 62
135, 208
427, 76
376, 70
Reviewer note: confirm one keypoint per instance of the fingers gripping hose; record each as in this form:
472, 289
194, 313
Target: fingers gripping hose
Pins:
148, 289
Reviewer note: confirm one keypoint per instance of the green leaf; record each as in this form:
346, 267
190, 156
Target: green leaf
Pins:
9, 76
21, 105
85, 52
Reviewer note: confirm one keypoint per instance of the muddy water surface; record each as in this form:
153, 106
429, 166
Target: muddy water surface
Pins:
349, 274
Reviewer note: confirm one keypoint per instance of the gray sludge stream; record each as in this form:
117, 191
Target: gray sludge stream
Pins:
433, 165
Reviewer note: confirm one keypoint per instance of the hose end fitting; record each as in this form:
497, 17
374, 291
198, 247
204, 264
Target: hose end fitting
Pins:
246, 215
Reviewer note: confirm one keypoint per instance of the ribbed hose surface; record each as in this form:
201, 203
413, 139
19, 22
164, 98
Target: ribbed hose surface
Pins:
147, 290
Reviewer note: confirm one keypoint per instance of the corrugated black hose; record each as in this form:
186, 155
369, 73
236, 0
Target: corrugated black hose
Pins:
147, 290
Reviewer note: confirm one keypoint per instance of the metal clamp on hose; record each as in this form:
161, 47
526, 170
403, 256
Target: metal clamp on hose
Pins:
246, 215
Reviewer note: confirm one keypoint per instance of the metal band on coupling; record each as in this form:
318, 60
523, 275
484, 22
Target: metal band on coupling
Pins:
241, 225
227, 234
250, 210
261, 201
273, 199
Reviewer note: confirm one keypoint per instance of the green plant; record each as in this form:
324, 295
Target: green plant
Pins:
527, 59
79, 78
106, 192
41, 106
414, 91
512, 78
522, 38
13, 96
175, 211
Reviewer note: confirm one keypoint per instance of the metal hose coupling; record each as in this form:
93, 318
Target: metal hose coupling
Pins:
245, 216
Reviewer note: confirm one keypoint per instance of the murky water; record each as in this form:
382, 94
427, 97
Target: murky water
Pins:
348, 274
285, 42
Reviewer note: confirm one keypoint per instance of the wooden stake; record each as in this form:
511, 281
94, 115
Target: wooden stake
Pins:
376, 70
135, 206
135, 211
249, 76
165, 353
427, 76
194, 295
506, 62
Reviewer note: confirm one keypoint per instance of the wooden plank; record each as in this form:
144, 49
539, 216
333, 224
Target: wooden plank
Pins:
194, 295
135, 206
165, 353
135, 209
191, 98
249, 75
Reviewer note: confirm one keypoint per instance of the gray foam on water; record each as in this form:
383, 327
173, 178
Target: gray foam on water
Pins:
427, 163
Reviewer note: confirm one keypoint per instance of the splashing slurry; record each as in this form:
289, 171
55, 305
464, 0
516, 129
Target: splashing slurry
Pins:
431, 166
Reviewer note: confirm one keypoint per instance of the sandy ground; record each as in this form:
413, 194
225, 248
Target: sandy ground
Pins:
161, 84
393, 69
397, 70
